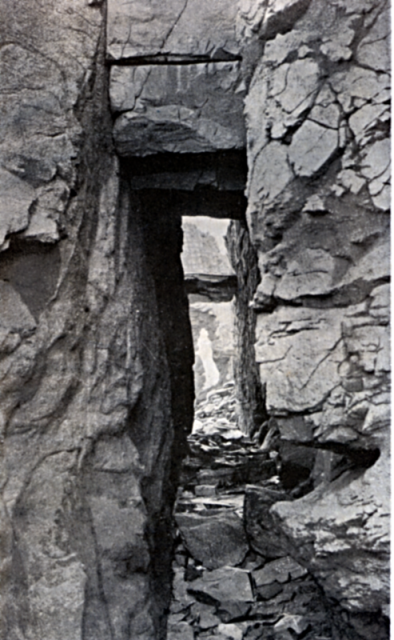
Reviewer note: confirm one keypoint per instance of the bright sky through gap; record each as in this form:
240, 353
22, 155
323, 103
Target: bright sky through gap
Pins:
215, 226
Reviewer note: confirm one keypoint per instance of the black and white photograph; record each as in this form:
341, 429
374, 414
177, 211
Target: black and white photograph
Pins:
194, 319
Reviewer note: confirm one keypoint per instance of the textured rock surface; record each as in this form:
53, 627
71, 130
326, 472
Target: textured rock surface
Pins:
96, 351
345, 540
184, 29
215, 541
199, 104
88, 360
250, 395
190, 108
318, 196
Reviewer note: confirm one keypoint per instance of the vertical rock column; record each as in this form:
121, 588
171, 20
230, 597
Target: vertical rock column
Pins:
95, 351
249, 390
318, 155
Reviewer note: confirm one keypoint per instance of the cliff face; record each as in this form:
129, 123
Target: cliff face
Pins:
318, 155
89, 359
95, 344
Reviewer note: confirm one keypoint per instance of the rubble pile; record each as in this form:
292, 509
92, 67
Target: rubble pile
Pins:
233, 576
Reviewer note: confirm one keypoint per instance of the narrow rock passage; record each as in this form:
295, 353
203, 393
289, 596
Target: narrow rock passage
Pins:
233, 576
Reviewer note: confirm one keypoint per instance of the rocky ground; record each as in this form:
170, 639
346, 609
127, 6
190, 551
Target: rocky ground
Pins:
233, 577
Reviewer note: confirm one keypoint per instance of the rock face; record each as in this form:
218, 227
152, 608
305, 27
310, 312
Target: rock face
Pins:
162, 110
318, 197
89, 362
177, 29
96, 349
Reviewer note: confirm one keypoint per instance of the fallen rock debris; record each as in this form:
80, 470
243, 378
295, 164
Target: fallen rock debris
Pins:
234, 579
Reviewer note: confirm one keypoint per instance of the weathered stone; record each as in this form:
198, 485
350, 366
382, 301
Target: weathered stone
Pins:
374, 48
230, 610
234, 631
373, 266
280, 570
215, 541
78, 519
312, 146
198, 106
180, 631
268, 18
275, 172
358, 84
313, 361
205, 615
311, 273
16, 198
224, 585
177, 29
364, 120
297, 623
268, 591
379, 307
259, 524
96, 352
345, 542
16, 321
310, 213
376, 168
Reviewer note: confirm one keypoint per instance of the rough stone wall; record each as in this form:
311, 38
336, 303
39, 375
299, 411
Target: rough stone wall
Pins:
94, 348
317, 114
96, 354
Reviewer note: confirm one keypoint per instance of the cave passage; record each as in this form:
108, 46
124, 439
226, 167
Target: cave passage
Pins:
231, 465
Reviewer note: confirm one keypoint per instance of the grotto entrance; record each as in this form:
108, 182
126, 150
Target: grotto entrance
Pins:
234, 574
231, 579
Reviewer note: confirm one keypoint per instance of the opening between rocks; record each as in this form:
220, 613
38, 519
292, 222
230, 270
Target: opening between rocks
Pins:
234, 574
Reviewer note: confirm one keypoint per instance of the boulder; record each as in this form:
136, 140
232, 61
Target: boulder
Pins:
281, 570
214, 541
259, 524
344, 541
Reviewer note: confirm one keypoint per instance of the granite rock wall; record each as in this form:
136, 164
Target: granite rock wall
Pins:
94, 346
317, 118
95, 343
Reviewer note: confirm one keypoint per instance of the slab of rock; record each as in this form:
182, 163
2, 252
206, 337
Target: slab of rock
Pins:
312, 146
226, 584
268, 591
299, 370
374, 49
259, 524
298, 624
215, 541
177, 29
205, 615
234, 631
257, 19
178, 108
280, 570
